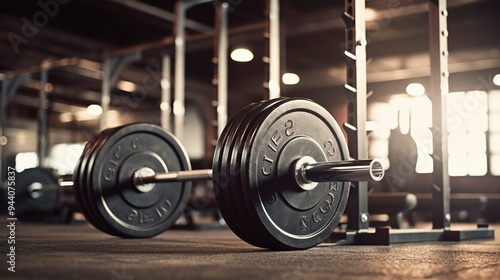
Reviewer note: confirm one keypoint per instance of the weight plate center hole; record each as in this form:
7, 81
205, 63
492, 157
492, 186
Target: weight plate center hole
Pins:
300, 173
35, 190
143, 172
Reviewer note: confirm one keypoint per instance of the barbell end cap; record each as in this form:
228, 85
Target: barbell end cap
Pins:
377, 170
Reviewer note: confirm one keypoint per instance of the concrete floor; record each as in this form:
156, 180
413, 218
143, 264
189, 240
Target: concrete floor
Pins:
81, 252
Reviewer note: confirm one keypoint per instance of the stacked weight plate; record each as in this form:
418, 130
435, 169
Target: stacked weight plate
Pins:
253, 174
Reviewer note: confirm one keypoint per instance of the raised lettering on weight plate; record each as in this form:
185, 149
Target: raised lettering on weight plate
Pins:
316, 218
326, 208
269, 170
164, 208
304, 222
110, 170
141, 217
133, 214
136, 143
289, 128
272, 199
329, 148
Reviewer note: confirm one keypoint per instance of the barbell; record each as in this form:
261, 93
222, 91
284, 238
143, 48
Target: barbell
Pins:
281, 174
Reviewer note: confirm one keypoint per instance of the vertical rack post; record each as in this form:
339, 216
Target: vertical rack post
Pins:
355, 55
9, 89
438, 38
42, 134
165, 84
272, 35
221, 64
105, 92
179, 79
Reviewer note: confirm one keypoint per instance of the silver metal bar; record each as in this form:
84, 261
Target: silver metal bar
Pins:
355, 52
308, 172
222, 69
105, 92
42, 137
438, 38
344, 171
177, 176
274, 49
162, 14
180, 72
165, 107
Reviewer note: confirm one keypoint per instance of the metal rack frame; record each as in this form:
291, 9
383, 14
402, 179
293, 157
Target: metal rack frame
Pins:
357, 233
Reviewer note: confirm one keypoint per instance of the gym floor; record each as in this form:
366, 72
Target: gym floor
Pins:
78, 251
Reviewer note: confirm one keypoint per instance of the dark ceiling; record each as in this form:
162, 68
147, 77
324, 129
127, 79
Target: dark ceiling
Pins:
312, 36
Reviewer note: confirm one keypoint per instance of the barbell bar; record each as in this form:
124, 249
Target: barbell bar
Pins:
281, 173
307, 172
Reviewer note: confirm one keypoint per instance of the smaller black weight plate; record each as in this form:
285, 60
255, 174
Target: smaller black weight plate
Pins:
86, 190
123, 207
37, 191
293, 218
80, 187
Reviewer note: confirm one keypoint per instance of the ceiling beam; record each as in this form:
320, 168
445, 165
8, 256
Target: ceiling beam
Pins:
162, 14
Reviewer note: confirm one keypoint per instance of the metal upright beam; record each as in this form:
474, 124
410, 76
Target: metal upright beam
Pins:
10, 85
221, 65
166, 98
42, 133
274, 49
355, 55
179, 109
438, 37
180, 71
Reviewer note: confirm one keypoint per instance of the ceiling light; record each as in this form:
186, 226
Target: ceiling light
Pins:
496, 80
126, 86
290, 79
415, 89
66, 117
3, 140
241, 55
370, 14
94, 110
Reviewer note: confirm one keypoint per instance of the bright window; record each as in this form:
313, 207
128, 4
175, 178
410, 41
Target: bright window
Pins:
467, 126
494, 141
473, 130
404, 112
26, 160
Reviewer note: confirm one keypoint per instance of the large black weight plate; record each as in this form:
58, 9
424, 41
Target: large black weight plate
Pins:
44, 196
252, 221
289, 217
125, 209
234, 198
221, 180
